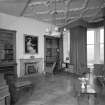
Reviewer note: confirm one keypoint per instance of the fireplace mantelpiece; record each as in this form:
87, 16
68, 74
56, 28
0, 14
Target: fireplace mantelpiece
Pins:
30, 66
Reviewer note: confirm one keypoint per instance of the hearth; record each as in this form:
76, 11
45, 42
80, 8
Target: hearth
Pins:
31, 68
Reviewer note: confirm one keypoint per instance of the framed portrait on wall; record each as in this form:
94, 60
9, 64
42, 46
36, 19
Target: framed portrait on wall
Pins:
31, 44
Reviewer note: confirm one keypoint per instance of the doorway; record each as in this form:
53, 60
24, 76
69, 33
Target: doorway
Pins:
52, 53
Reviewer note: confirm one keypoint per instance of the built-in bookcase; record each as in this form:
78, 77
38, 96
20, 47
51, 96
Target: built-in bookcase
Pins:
7, 45
52, 51
8, 61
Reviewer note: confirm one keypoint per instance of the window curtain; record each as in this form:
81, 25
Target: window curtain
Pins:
104, 42
78, 48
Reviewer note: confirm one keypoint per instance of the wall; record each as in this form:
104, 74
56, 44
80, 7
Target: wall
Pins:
24, 26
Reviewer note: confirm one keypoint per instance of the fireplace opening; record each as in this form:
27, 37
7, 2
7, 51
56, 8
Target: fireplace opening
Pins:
31, 68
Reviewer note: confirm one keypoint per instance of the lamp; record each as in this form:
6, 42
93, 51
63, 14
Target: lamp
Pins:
55, 31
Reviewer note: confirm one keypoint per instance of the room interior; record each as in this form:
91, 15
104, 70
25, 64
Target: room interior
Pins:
43, 42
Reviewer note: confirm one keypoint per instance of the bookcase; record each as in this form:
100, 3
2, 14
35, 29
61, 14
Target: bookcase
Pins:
7, 45
52, 51
7, 63
9, 52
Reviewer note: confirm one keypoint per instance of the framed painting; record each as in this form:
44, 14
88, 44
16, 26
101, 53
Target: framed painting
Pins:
31, 44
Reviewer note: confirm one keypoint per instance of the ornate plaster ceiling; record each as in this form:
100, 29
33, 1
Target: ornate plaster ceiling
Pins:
63, 11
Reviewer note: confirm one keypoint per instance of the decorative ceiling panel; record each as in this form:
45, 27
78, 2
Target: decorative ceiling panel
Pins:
95, 3
76, 4
55, 11
12, 8
90, 12
40, 7
44, 16
74, 13
59, 22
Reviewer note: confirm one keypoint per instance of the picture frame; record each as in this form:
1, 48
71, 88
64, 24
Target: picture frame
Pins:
31, 44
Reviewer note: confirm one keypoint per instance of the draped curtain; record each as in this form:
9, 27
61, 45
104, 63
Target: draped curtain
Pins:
104, 42
78, 48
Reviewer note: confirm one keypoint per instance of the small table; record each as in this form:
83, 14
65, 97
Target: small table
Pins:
90, 93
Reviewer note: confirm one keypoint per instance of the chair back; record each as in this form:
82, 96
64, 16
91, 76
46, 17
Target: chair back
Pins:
50, 69
98, 69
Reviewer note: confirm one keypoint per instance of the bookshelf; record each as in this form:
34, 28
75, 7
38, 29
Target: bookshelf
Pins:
9, 52
53, 52
7, 64
51, 47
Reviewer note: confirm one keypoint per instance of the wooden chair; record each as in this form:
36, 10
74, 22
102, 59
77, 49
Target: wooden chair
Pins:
98, 70
22, 83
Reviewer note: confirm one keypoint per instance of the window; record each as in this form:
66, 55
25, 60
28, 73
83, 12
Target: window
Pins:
90, 46
95, 46
101, 45
66, 46
90, 37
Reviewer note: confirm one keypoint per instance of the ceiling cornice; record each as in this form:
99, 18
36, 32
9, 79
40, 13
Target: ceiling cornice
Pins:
95, 24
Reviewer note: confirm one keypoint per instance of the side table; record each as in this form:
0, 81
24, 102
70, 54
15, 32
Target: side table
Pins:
91, 95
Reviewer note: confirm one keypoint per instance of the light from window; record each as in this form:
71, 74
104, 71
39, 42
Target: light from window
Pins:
101, 45
90, 53
102, 52
95, 46
101, 35
90, 37
90, 46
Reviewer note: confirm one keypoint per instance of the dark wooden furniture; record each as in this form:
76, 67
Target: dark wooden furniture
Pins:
87, 91
9, 53
21, 86
8, 58
52, 51
101, 81
99, 73
22, 83
68, 67
8, 65
99, 70
8, 68
7, 45
9, 71
50, 69
4, 91
90, 94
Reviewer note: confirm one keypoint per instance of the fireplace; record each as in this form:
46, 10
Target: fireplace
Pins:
30, 66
